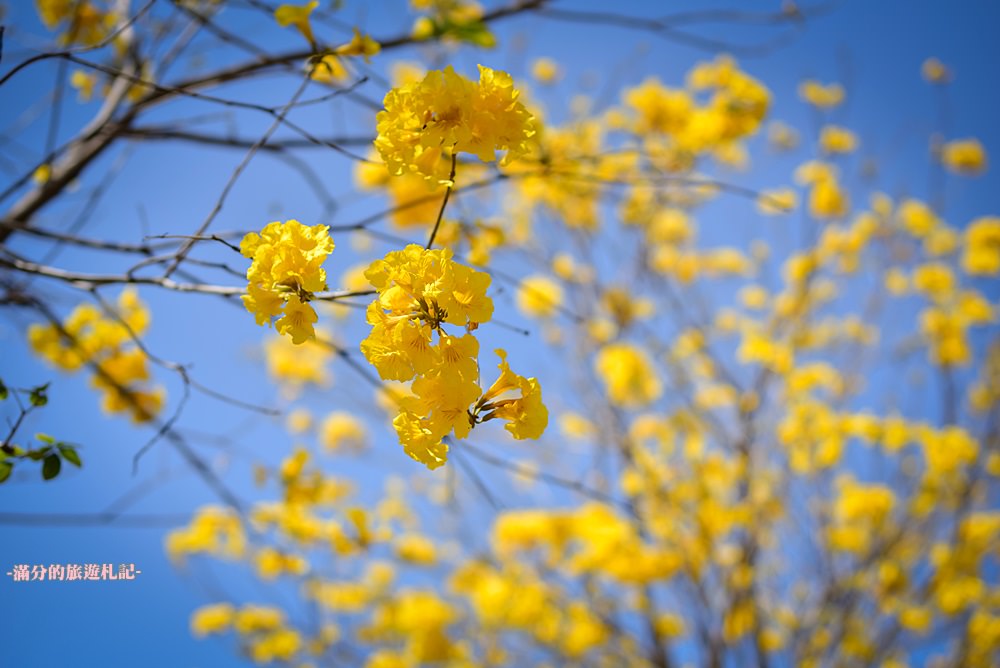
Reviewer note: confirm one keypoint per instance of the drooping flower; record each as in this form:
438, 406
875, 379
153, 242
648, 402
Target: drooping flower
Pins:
298, 16
526, 415
360, 45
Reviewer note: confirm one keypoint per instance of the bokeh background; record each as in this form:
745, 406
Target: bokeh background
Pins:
875, 49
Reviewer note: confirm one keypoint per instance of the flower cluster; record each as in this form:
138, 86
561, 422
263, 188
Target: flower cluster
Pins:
105, 341
332, 68
445, 114
87, 24
452, 21
264, 629
420, 291
628, 374
285, 274
734, 110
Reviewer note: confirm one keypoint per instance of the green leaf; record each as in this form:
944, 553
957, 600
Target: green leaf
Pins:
5, 469
45, 438
39, 454
51, 466
70, 454
38, 396
4, 392
474, 32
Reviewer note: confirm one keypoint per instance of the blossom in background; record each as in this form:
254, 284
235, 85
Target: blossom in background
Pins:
964, 156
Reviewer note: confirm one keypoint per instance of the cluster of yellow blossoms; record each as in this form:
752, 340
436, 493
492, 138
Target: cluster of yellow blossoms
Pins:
295, 367
89, 336
452, 20
420, 291
285, 274
264, 629
86, 23
736, 106
445, 114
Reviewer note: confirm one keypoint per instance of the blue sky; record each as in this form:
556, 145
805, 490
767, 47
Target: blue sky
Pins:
876, 49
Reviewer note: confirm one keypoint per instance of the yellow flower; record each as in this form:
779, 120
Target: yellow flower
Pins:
818, 95
254, 618
753, 296
545, 70
964, 156
628, 375
87, 24
298, 16
416, 549
213, 530
658, 108
329, 69
297, 320
42, 175
84, 82
445, 398
827, 199
576, 426
360, 45
211, 619
298, 421
418, 441
88, 335
296, 366
445, 114
271, 563
835, 139
814, 171
278, 645
946, 336
342, 431
526, 416
539, 297
942, 241
419, 291
757, 348
896, 282
859, 512
917, 218
285, 273
623, 308
934, 71
934, 279
670, 625
916, 618
981, 256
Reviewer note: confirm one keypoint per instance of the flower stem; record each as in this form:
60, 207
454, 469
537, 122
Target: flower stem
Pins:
444, 202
